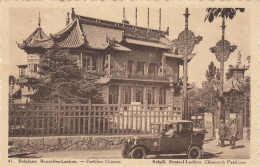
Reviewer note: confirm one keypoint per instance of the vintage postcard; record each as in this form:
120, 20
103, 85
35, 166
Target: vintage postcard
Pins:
122, 83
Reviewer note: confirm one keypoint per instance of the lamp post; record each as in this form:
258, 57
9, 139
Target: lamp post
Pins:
12, 89
186, 42
222, 51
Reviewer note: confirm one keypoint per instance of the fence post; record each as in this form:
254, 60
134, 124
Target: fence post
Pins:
58, 115
145, 117
118, 116
89, 116
26, 117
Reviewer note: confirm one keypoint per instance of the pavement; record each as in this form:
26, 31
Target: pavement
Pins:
242, 150
211, 151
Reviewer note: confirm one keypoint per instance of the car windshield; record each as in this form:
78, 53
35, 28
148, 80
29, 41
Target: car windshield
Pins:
155, 127
167, 127
185, 127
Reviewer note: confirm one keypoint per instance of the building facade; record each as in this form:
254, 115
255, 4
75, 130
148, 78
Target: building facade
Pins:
139, 65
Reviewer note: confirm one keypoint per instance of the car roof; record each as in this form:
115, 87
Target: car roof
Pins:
176, 121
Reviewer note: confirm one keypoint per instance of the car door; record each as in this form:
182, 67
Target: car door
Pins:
167, 143
183, 136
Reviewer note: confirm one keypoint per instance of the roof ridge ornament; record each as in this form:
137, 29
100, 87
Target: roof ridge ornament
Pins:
239, 60
39, 20
68, 19
73, 14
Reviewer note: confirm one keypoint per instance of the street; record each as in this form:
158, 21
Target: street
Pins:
242, 151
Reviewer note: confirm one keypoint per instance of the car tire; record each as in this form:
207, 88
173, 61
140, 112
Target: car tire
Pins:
138, 153
194, 152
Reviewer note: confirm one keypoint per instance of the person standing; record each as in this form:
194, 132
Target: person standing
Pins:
222, 132
233, 134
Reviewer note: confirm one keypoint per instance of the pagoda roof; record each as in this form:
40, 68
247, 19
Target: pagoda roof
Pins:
231, 84
98, 35
31, 41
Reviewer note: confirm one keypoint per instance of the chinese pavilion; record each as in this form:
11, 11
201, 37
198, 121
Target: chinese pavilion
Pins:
140, 64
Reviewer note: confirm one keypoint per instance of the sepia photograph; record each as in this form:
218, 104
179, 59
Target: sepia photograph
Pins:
103, 84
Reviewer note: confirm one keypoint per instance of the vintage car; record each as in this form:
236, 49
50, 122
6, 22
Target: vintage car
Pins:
171, 137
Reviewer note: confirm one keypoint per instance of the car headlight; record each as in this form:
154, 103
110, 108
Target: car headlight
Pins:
135, 139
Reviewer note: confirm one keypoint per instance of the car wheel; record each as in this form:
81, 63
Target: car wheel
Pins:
138, 153
125, 153
194, 152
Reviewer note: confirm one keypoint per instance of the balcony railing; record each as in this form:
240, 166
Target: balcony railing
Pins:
124, 75
148, 76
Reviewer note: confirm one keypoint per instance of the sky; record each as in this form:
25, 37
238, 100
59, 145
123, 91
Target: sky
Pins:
23, 21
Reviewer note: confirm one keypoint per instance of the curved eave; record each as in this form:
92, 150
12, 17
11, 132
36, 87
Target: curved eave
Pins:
178, 56
70, 37
146, 44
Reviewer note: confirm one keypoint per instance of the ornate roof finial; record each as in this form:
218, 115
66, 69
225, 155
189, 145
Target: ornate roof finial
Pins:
148, 14
124, 21
135, 17
239, 59
68, 19
124, 14
39, 20
186, 18
160, 19
72, 14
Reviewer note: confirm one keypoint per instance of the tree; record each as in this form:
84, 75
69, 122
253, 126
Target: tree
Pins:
207, 95
222, 12
61, 78
211, 72
229, 73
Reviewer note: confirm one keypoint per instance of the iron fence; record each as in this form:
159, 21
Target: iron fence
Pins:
35, 119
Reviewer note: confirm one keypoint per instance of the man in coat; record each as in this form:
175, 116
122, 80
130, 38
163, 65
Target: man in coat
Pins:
233, 134
222, 132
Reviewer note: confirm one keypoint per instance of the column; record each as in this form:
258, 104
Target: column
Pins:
109, 64
81, 60
145, 96
107, 94
119, 94
132, 94
172, 97
156, 96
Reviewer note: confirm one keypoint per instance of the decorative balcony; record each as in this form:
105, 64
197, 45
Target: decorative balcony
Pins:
148, 77
125, 75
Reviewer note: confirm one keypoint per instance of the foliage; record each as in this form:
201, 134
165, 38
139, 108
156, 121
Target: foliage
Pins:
61, 78
212, 72
229, 73
221, 12
207, 95
235, 100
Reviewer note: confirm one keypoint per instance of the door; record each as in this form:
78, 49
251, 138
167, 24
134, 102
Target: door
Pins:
183, 136
167, 143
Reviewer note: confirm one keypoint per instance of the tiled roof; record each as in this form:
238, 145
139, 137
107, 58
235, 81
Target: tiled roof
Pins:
231, 84
97, 36
121, 48
70, 37
190, 57
146, 43
94, 34
37, 34
32, 40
